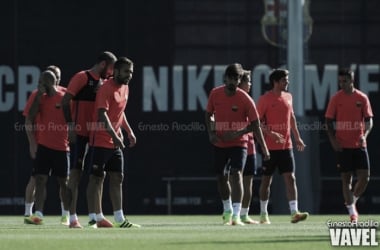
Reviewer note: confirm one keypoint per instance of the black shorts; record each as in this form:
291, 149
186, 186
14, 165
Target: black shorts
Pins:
250, 165
227, 158
351, 159
111, 160
78, 150
281, 159
51, 162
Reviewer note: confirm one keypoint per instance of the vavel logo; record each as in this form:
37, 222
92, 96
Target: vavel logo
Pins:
353, 234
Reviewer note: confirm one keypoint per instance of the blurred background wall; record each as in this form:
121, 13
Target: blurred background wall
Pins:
180, 49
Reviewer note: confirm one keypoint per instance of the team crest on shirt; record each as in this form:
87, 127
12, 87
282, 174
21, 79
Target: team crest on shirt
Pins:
234, 108
358, 104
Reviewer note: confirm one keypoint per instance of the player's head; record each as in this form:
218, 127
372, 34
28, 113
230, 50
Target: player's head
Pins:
245, 82
346, 79
232, 76
279, 79
56, 71
346, 73
105, 62
47, 82
123, 70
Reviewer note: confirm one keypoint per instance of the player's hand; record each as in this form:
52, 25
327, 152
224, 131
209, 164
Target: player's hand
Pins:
336, 146
72, 133
213, 137
33, 150
300, 145
277, 137
362, 141
266, 154
132, 140
118, 142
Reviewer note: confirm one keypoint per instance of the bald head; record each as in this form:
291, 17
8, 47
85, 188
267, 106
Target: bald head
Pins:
47, 82
48, 77
57, 72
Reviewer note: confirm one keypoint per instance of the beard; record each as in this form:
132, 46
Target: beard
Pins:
122, 81
231, 87
104, 73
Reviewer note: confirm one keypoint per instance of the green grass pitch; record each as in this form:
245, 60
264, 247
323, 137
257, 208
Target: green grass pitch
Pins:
173, 232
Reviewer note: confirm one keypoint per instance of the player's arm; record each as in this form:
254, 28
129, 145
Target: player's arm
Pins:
66, 108
275, 136
30, 133
257, 131
66, 100
331, 134
231, 135
128, 129
211, 128
104, 119
266, 129
293, 125
368, 122
368, 126
34, 108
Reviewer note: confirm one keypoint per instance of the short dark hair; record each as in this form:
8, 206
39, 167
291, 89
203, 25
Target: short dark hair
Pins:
346, 72
245, 75
276, 75
122, 61
234, 69
107, 56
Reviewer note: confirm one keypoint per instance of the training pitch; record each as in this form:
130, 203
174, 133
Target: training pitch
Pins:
174, 232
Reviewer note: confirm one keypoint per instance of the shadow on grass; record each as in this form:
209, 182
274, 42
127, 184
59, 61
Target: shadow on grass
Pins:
298, 239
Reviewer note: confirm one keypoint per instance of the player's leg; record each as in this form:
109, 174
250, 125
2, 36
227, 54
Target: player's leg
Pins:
87, 156
286, 168
292, 195
346, 178
362, 168
44, 158
361, 184
221, 168
95, 191
115, 189
72, 185
247, 193
248, 173
95, 184
264, 192
268, 168
346, 169
40, 196
115, 170
65, 215
77, 155
238, 158
60, 169
29, 196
